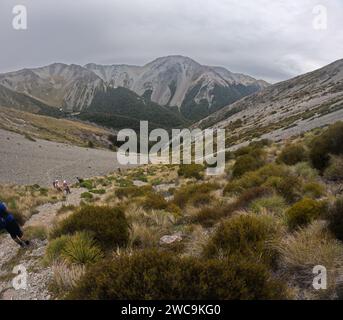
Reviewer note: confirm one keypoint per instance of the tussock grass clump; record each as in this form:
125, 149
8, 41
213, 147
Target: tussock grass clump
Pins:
334, 172
144, 236
196, 194
66, 276
154, 201
81, 249
108, 226
304, 170
274, 203
133, 192
292, 154
246, 235
191, 171
150, 274
306, 248
66, 208
55, 248
313, 190
36, 232
209, 215
304, 212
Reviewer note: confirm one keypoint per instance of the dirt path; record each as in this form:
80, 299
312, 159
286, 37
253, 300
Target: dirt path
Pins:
12, 255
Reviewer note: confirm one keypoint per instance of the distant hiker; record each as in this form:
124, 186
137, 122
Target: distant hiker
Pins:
58, 186
8, 223
80, 180
66, 187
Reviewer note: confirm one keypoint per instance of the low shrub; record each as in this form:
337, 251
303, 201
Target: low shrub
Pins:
292, 154
254, 149
249, 195
329, 142
108, 226
209, 215
289, 187
246, 235
55, 248
245, 164
150, 274
86, 196
249, 180
256, 178
304, 212
154, 201
201, 199
87, 184
191, 171
335, 218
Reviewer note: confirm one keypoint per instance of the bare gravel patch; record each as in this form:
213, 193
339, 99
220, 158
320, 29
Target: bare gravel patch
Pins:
27, 162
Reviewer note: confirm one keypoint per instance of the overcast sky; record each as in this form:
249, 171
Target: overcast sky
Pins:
268, 39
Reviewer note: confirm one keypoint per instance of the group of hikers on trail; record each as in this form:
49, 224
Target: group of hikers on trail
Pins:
61, 186
8, 222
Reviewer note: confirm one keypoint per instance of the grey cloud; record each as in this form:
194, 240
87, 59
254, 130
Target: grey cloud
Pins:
269, 39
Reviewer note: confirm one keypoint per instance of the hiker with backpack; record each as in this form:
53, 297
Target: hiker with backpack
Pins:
8, 222
66, 187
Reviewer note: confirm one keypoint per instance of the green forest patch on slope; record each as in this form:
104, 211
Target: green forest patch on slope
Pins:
121, 108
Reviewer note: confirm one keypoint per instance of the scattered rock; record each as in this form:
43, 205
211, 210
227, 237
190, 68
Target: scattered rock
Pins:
171, 239
139, 183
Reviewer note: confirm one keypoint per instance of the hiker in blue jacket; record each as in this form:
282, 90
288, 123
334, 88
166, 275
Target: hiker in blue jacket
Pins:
8, 223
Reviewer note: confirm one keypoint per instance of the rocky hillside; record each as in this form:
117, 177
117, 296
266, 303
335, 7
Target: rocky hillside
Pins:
294, 103
70, 87
23, 102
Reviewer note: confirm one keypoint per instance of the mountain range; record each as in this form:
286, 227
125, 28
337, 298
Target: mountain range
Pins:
176, 91
173, 85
